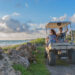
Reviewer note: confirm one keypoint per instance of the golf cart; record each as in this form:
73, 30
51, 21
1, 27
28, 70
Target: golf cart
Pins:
64, 50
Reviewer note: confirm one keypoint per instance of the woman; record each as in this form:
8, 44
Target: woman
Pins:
52, 37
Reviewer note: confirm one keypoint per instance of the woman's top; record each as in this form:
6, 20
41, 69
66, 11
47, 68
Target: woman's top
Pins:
52, 39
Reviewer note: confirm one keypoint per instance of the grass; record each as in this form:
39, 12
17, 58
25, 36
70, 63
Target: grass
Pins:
10, 47
35, 69
40, 67
40, 41
20, 68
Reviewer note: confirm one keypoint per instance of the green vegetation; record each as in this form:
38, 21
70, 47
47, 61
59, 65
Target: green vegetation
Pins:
10, 47
40, 41
20, 68
38, 68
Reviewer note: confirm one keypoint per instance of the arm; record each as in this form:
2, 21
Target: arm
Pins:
46, 40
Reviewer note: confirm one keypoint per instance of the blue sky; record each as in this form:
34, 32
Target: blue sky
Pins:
26, 18
38, 11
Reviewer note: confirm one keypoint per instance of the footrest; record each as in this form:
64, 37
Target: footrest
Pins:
64, 58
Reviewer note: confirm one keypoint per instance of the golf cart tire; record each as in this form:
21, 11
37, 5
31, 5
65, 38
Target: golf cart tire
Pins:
70, 54
73, 57
51, 58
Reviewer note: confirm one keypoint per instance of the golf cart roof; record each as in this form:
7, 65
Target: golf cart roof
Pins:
57, 24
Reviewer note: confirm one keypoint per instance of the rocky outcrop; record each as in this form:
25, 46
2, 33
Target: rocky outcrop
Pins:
6, 65
21, 55
16, 58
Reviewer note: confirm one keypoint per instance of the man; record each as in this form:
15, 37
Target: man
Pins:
61, 38
61, 35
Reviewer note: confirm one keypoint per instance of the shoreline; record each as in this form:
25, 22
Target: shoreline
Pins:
12, 43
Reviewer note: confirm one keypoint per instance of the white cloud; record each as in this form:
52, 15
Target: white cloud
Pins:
61, 18
42, 26
72, 19
6, 17
26, 5
13, 29
15, 14
7, 24
3, 25
37, 26
20, 36
32, 24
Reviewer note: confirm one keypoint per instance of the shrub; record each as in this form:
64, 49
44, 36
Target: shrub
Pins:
40, 41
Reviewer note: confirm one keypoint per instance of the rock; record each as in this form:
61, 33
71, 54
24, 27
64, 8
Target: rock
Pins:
22, 55
28, 46
1, 56
1, 51
18, 73
21, 47
20, 60
12, 52
6, 66
19, 57
31, 46
26, 51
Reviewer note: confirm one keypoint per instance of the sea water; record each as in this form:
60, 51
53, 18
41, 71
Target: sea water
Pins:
12, 42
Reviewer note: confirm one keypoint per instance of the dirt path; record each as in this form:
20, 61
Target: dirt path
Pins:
62, 70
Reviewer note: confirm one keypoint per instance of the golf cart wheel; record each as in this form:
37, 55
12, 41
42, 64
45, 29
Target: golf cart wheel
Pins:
51, 58
73, 57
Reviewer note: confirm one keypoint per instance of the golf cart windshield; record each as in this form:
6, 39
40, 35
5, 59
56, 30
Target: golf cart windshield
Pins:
57, 24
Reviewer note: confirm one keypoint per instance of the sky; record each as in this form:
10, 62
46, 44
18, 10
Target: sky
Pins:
26, 19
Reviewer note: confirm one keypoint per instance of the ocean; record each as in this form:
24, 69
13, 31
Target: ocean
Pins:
12, 42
